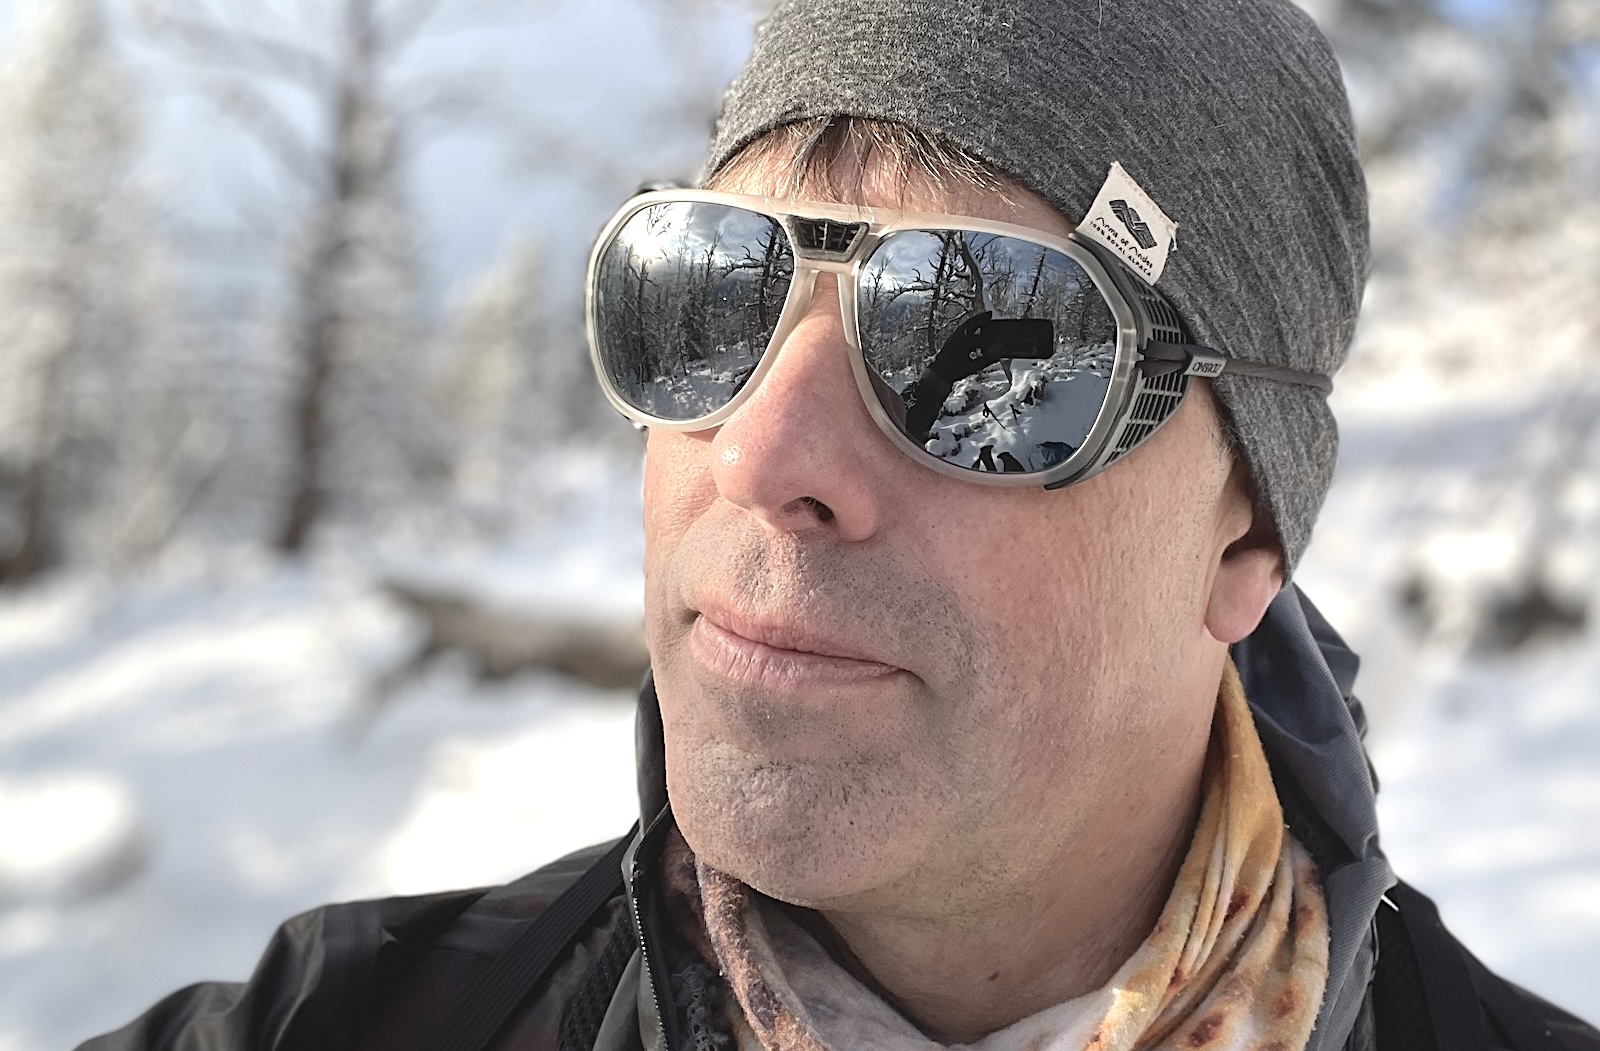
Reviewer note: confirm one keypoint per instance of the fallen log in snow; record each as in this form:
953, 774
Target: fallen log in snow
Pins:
604, 650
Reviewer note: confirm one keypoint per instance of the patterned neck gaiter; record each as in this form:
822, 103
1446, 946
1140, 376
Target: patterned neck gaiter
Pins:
1237, 961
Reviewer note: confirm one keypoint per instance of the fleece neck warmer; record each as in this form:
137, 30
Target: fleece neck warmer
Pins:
1238, 959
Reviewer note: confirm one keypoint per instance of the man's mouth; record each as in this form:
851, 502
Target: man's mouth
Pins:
777, 655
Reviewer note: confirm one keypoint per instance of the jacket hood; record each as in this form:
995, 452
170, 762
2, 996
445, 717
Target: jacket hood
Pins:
1299, 678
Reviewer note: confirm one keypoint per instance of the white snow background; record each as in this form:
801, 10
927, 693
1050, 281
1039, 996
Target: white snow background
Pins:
187, 760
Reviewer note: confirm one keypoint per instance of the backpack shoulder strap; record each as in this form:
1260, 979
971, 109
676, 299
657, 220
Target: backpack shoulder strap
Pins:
489, 1001
1423, 996
1431, 994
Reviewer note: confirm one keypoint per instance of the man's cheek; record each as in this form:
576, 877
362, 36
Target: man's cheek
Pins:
678, 486
676, 495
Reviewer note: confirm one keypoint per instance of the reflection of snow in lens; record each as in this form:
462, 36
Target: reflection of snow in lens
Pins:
687, 297
1032, 416
920, 287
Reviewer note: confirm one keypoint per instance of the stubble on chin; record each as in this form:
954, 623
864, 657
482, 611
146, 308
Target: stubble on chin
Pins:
806, 832
801, 801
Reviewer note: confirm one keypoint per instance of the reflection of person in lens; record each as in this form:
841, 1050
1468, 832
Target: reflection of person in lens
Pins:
976, 343
926, 762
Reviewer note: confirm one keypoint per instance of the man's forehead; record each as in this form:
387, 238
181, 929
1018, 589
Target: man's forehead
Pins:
876, 182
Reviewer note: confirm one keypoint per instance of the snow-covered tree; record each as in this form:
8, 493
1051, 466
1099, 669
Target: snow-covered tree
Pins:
484, 376
515, 383
80, 290
316, 90
1480, 127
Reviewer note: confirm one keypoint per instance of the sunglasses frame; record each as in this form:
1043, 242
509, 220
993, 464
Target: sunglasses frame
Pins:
1150, 374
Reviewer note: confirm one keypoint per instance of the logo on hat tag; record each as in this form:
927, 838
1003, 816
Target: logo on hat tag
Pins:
1129, 222
1136, 226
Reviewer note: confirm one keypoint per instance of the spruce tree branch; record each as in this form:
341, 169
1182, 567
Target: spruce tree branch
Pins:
424, 105
206, 42
255, 114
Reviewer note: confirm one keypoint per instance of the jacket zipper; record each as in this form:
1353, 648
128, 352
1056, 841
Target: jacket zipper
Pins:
645, 968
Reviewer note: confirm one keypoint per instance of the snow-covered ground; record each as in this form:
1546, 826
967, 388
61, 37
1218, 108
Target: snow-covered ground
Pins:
186, 759
206, 730
1489, 765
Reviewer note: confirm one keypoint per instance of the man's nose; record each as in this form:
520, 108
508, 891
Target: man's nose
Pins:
801, 454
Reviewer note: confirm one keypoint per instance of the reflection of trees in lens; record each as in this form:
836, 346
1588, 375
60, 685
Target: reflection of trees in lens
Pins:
628, 289
766, 263
1034, 286
921, 285
690, 297
908, 308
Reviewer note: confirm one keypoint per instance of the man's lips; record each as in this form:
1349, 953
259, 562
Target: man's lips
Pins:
772, 654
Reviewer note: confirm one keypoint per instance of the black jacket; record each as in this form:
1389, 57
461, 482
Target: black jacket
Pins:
387, 974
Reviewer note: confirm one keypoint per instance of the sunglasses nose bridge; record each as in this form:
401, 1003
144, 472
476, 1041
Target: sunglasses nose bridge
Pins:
804, 291
825, 266
799, 305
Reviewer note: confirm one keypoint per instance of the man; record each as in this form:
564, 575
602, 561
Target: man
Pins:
986, 386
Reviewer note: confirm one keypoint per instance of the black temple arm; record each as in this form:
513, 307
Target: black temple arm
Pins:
1163, 359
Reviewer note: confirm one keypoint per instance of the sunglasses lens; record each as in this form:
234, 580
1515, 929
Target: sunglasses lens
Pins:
686, 299
991, 352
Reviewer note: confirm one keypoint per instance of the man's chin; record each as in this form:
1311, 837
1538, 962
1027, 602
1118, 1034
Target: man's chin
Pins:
810, 834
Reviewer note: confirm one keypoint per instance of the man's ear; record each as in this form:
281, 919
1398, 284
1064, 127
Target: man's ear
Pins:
1250, 573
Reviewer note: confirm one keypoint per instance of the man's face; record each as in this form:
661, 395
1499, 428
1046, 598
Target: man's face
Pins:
876, 680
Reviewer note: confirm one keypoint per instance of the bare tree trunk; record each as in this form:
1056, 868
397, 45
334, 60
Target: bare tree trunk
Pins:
980, 296
316, 343
32, 552
36, 546
315, 349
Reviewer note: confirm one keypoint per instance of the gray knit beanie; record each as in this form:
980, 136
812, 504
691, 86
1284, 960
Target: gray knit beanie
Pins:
1230, 113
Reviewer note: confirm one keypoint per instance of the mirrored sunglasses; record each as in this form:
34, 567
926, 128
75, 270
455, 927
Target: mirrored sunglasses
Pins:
987, 351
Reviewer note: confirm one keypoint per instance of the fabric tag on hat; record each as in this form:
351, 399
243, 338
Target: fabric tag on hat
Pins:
1129, 222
